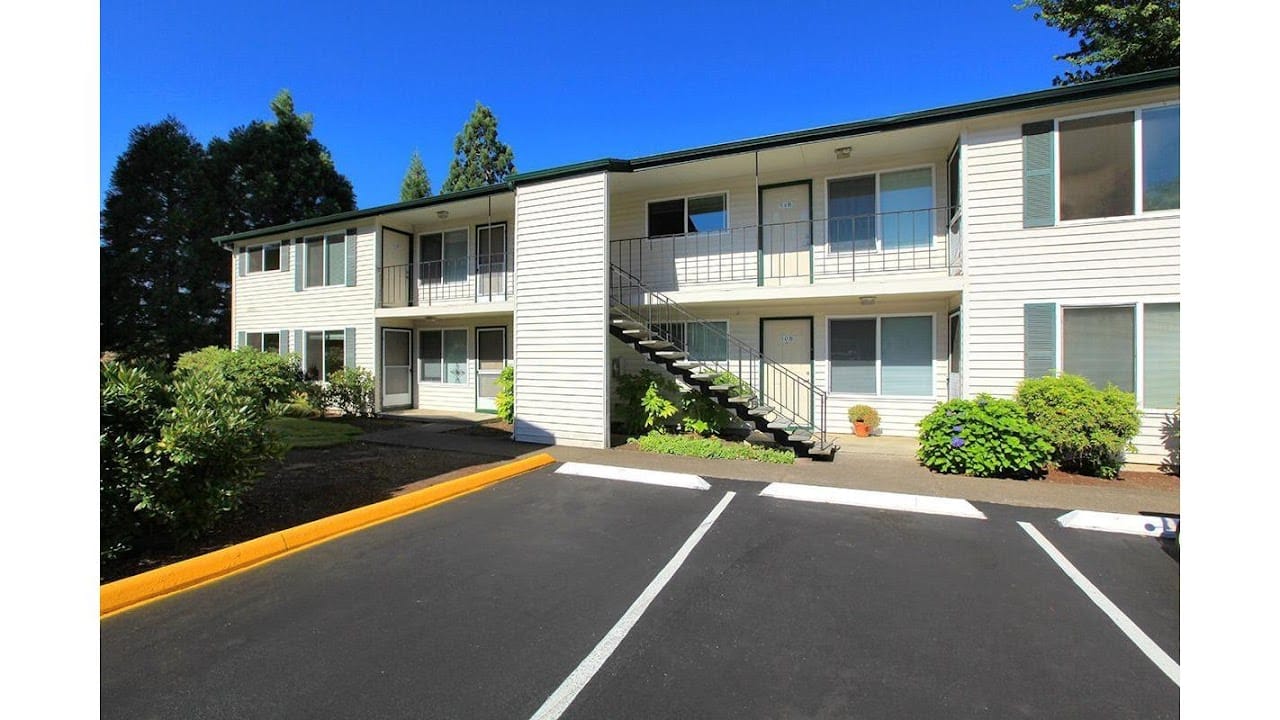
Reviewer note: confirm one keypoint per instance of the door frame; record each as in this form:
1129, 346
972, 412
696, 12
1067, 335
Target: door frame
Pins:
760, 227
956, 348
478, 330
812, 384
382, 352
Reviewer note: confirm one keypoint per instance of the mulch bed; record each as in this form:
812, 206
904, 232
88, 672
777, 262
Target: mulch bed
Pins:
1136, 479
310, 484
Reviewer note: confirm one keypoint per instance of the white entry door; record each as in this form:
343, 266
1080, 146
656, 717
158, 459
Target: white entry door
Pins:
397, 367
491, 357
788, 342
785, 234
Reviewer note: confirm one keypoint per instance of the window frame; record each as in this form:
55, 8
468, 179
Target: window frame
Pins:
933, 358
686, 198
262, 339
304, 351
261, 248
466, 360
324, 260
1139, 341
934, 242
1138, 159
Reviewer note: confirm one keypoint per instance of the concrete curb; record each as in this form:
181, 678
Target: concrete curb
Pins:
130, 592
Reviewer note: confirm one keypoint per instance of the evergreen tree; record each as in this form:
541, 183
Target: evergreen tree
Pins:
1120, 37
416, 184
270, 173
163, 284
479, 157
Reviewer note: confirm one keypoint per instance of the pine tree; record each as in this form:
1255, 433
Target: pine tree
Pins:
1120, 37
479, 157
416, 184
163, 284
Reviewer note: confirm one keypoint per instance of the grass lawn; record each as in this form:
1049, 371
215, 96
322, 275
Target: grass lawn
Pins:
303, 433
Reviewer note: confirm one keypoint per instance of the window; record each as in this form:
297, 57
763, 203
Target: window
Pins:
266, 342
443, 356
444, 256
705, 342
882, 356
1100, 157
1101, 344
264, 257
688, 215
893, 210
326, 260
325, 353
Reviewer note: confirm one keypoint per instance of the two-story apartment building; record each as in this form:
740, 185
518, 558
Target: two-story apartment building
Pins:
895, 262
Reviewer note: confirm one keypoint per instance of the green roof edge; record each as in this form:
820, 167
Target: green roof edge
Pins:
1023, 101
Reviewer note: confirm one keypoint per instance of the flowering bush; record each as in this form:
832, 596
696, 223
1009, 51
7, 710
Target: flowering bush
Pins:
985, 437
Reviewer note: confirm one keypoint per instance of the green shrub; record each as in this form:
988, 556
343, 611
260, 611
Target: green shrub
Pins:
985, 437
657, 442
351, 391
506, 400
175, 455
1090, 429
702, 414
298, 406
866, 414
643, 400
266, 376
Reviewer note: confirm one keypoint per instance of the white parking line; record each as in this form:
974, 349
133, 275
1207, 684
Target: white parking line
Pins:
1139, 638
1148, 525
564, 695
874, 499
651, 477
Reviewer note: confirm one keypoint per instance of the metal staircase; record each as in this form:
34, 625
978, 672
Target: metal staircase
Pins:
760, 391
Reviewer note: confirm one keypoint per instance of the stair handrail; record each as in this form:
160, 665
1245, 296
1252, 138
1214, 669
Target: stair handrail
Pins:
815, 424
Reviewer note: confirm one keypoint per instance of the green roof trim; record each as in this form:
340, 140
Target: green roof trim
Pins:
1068, 93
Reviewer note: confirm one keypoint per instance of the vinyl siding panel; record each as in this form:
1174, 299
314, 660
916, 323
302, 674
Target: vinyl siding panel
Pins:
560, 349
1095, 262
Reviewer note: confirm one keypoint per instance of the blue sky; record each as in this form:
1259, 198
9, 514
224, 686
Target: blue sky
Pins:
568, 81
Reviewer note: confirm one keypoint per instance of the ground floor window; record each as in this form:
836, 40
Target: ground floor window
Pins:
324, 353
443, 356
706, 341
888, 355
266, 342
1134, 347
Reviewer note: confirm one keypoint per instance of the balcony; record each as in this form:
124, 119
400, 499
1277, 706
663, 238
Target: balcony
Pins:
453, 281
909, 243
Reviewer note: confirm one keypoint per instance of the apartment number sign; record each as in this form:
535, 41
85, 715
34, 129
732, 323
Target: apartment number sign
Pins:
787, 204
788, 339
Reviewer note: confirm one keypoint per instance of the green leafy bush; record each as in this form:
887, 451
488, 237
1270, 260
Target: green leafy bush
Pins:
1090, 429
702, 414
643, 400
268, 377
506, 400
351, 391
985, 437
175, 455
688, 445
866, 414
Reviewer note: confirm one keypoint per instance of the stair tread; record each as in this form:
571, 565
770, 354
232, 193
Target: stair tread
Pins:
759, 410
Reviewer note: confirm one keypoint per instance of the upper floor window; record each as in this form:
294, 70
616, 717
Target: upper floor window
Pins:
264, 257
326, 260
891, 210
688, 215
1119, 164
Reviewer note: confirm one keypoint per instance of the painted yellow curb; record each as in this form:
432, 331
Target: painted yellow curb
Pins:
132, 591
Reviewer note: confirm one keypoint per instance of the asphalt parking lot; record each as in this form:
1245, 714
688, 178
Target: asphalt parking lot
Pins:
555, 595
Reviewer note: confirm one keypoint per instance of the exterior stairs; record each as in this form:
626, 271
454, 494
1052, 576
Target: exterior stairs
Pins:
646, 327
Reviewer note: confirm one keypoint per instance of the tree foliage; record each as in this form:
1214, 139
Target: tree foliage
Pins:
163, 285
1120, 37
480, 158
416, 184
274, 172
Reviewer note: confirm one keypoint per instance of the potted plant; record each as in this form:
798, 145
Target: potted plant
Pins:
865, 420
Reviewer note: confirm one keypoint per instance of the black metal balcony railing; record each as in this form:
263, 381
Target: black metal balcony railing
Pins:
797, 252
474, 278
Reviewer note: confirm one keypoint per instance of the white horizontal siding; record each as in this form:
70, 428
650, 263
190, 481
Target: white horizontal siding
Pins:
560, 312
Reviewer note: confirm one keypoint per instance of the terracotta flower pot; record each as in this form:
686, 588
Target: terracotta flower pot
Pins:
861, 429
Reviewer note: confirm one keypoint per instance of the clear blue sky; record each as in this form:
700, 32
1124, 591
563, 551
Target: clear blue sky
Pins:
568, 81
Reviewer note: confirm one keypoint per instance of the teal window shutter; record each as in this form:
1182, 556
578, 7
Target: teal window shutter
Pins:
1040, 339
351, 257
349, 348
244, 262
284, 258
284, 341
1037, 174
240, 340
298, 266
298, 343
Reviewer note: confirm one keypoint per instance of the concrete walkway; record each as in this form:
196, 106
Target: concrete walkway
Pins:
878, 463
